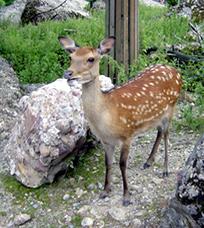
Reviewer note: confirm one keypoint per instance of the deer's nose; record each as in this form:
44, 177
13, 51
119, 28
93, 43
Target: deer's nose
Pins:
68, 74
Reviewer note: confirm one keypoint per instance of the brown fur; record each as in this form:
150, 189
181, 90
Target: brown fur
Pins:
145, 102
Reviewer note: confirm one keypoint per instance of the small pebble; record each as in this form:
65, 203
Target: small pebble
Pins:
91, 187
66, 197
87, 222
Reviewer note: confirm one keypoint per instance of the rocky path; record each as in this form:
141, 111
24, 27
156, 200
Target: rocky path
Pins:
73, 201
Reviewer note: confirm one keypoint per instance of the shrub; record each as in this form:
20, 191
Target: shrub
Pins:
34, 51
172, 2
37, 57
6, 2
2, 3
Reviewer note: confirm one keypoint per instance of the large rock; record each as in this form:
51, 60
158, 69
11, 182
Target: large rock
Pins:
9, 97
99, 5
186, 209
43, 10
13, 12
51, 126
34, 11
194, 9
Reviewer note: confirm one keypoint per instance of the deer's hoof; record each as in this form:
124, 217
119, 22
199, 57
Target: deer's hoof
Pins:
126, 199
165, 174
103, 195
126, 202
146, 165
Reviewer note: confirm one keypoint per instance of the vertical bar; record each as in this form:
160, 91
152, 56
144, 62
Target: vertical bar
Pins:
107, 32
122, 22
118, 34
112, 72
125, 34
133, 33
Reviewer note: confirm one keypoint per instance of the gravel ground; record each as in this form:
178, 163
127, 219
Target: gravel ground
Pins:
73, 201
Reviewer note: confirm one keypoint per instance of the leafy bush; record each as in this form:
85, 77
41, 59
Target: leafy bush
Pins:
172, 2
36, 55
34, 51
6, 2
193, 114
2, 3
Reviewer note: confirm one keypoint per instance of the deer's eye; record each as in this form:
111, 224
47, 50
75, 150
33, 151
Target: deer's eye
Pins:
90, 60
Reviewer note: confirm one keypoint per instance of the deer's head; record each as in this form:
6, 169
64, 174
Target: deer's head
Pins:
84, 65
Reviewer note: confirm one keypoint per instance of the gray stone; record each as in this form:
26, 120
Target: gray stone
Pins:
100, 224
34, 11
79, 192
9, 97
42, 10
35, 148
13, 12
177, 216
84, 210
136, 222
192, 9
66, 197
29, 88
21, 219
91, 187
106, 84
117, 213
99, 5
87, 222
187, 205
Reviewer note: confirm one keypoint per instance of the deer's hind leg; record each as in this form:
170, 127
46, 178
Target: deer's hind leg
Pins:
162, 132
151, 157
123, 167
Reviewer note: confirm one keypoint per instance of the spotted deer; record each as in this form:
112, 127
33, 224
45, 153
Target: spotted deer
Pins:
143, 103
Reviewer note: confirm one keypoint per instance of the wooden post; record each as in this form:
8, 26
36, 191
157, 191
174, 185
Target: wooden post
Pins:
122, 22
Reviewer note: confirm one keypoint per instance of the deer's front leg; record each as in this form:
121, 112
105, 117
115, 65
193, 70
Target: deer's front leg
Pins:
109, 150
123, 166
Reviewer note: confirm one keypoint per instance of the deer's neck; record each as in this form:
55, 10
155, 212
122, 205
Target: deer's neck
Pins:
91, 94
98, 110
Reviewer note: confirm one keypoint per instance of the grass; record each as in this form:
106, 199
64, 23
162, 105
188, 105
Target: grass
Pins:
20, 192
157, 29
88, 168
34, 51
37, 57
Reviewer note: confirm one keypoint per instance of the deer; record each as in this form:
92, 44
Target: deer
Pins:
115, 117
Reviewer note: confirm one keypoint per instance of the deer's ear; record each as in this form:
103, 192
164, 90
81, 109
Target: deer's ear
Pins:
106, 45
68, 44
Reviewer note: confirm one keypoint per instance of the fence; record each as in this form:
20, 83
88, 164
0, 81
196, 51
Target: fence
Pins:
122, 22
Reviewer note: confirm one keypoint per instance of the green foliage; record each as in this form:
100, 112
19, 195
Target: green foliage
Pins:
2, 3
6, 2
88, 167
193, 75
157, 29
34, 51
76, 220
193, 114
37, 57
172, 2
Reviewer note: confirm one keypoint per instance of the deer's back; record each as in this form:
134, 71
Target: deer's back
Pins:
144, 101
